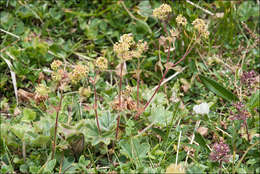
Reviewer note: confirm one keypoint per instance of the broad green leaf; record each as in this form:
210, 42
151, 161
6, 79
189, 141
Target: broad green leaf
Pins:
145, 8
28, 114
107, 121
20, 130
92, 134
160, 116
218, 89
133, 149
41, 140
50, 166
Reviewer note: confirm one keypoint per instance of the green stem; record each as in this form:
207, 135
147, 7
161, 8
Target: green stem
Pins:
242, 158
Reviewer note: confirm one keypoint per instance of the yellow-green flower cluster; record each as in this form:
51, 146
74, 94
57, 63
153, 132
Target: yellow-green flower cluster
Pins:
42, 90
122, 48
78, 73
127, 48
84, 92
201, 27
101, 63
181, 20
58, 75
56, 64
141, 47
162, 12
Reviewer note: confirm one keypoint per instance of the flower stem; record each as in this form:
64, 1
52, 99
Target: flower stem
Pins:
119, 98
56, 126
220, 167
163, 77
138, 82
248, 137
95, 104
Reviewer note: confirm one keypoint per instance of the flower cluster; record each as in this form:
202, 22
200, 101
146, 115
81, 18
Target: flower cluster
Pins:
101, 63
248, 78
84, 92
141, 47
56, 64
59, 75
122, 48
173, 168
181, 20
162, 12
220, 152
242, 113
201, 27
42, 92
203, 108
126, 48
78, 73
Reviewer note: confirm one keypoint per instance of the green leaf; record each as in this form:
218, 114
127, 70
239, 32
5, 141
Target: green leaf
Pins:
41, 140
145, 8
133, 149
49, 166
20, 130
218, 89
254, 100
160, 116
92, 134
201, 141
28, 114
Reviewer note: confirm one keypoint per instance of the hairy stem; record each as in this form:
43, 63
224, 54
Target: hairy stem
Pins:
56, 125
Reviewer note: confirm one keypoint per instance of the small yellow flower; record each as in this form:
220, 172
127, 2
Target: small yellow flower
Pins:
175, 169
122, 48
56, 64
141, 47
181, 20
162, 12
58, 75
201, 27
101, 63
84, 92
43, 90
78, 73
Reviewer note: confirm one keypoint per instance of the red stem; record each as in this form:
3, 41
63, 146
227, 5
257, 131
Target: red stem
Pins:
120, 102
138, 82
159, 85
56, 126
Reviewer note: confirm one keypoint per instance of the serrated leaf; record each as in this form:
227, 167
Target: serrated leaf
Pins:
218, 89
133, 149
